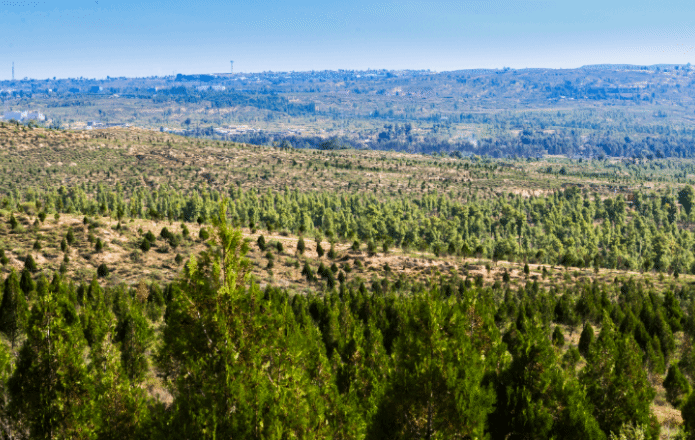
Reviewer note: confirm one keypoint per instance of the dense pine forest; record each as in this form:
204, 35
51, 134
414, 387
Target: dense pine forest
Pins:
340, 293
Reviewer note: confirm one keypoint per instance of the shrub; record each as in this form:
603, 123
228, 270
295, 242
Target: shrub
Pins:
70, 237
145, 245
203, 234
30, 264
165, 234
102, 270
356, 245
261, 243
150, 237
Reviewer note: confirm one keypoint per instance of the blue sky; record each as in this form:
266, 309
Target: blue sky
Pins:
96, 38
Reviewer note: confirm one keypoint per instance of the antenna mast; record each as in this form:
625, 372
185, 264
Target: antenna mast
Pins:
232, 67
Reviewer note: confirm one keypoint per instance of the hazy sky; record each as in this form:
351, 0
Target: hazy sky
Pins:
96, 38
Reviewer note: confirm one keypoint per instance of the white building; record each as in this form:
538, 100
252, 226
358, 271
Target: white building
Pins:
17, 116
36, 116
24, 116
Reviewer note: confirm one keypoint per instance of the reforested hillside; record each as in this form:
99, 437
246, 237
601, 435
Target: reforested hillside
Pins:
163, 286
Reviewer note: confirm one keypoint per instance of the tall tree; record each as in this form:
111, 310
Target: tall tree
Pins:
236, 361
13, 309
437, 387
51, 391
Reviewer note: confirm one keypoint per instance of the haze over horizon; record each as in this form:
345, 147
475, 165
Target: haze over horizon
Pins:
99, 38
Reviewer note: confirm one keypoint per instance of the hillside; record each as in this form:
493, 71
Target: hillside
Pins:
582, 269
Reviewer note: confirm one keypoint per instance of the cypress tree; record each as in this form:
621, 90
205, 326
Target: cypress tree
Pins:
50, 388
232, 377
13, 309
586, 339
676, 385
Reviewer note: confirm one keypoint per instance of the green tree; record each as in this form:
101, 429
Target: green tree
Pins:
676, 385
13, 309
688, 414
586, 339
535, 399
236, 371
617, 384
51, 391
437, 388
135, 336
261, 243
686, 197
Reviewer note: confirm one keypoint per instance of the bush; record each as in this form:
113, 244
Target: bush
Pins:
149, 236
178, 259
261, 243
203, 234
145, 245
279, 247
70, 237
13, 222
30, 264
99, 246
165, 234
102, 270
332, 254
301, 246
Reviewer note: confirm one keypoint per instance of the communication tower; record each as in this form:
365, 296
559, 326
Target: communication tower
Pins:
232, 67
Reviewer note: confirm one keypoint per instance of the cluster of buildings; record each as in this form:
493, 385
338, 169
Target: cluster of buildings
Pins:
23, 116
216, 88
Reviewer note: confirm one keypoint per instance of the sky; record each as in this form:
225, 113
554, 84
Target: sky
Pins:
100, 38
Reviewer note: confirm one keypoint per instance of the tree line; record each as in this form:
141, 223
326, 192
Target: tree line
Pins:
647, 231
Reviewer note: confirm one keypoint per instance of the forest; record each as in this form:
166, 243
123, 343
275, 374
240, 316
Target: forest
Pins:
339, 293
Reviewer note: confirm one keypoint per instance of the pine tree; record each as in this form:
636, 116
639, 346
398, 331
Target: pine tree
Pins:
26, 282
535, 399
238, 371
688, 414
433, 392
134, 335
617, 384
586, 339
676, 385
51, 391
13, 309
